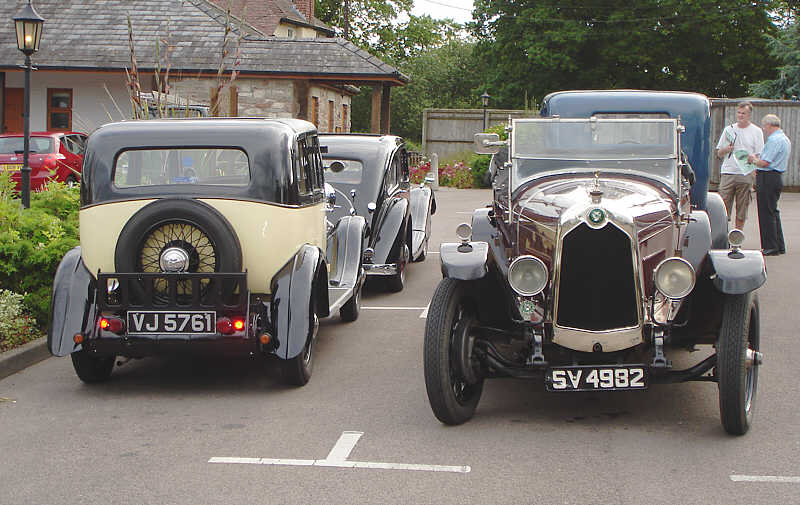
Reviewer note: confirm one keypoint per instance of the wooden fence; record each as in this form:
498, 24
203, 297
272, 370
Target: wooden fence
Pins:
450, 132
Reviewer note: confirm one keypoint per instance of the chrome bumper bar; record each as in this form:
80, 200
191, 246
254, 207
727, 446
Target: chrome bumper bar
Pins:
381, 268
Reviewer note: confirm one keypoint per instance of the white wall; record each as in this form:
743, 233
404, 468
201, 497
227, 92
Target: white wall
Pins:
89, 100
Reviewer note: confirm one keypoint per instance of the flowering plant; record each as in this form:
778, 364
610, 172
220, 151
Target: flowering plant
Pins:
456, 175
16, 327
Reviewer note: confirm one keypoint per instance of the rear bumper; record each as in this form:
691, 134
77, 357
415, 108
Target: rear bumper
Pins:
381, 269
138, 346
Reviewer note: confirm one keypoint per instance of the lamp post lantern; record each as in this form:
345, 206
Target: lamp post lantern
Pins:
29, 32
485, 102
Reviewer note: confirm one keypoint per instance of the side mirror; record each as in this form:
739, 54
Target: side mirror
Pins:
487, 143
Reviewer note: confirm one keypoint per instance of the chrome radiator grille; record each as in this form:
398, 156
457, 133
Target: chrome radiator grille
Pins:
596, 288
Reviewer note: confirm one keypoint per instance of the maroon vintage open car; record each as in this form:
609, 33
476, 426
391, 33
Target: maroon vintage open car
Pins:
593, 265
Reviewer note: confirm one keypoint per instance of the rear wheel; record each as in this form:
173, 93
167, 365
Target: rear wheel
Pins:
397, 282
297, 370
454, 386
350, 310
738, 362
71, 180
90, 368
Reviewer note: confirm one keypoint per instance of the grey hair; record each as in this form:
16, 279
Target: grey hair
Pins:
745, 105
772, 120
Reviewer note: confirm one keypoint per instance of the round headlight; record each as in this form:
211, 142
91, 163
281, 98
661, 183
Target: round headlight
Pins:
527, 275
674, 278
736, 238
464, 231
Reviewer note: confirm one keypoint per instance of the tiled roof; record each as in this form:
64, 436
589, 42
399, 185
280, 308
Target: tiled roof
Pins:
93, 35
265, 15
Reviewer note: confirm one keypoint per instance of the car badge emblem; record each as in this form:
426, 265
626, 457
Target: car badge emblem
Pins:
597, 216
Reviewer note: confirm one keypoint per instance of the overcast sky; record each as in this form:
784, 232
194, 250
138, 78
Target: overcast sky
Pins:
458, 10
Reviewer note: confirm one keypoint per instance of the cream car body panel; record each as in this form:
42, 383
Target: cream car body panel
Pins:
256, 224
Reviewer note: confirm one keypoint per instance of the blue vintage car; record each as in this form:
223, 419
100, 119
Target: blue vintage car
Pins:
601, 256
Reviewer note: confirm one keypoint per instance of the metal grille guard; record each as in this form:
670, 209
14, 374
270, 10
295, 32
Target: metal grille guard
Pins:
227, 291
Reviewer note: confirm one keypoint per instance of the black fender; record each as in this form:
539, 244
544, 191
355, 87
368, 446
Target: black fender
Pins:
292, 289
697, 240
738, 272
422, 206
389, 230
483, 230
344, 252
464, 261
72, 308
718, 216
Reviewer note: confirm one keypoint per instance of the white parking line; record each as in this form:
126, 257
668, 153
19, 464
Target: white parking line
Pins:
423, 315
338, 458
766, 478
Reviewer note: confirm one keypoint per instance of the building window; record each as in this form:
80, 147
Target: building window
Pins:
331, 116
345, 126
315, 111
59, 109
290, 33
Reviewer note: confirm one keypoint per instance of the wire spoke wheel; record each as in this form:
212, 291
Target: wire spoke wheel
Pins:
198, 248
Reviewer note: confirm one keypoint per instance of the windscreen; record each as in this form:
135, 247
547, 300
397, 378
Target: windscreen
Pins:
643, 146
153, 167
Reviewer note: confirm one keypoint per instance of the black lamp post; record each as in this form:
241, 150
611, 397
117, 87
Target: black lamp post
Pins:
485, 101
29, 33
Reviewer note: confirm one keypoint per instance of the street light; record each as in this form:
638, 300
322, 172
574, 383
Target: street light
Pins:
485, 101
29, 33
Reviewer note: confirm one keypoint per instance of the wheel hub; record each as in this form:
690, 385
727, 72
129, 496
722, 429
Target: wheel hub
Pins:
174, 259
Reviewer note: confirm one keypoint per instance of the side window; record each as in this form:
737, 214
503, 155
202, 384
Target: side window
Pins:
391, 173
300, 167
309, 169
404, 175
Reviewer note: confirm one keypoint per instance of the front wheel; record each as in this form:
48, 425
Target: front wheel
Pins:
454, 388
92, 369
397, 282
350, 310
738, 361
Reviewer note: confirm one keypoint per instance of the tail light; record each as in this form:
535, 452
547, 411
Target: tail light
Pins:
112, 324
228, 326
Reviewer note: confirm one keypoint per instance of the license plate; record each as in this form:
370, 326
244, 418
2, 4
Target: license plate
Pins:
12, 167
190, 322
596, 378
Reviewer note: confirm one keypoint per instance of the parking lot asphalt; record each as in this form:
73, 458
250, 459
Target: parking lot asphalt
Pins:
209, 431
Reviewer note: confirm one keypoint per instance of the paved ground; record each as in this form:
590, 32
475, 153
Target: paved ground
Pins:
148, 435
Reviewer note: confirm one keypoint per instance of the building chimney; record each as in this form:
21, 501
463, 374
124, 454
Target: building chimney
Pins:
306, 8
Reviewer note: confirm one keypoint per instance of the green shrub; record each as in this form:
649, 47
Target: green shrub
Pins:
16, 327
33, 241
480, 170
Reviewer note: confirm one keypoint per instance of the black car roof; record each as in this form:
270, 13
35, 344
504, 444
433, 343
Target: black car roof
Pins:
267, 143
371, 150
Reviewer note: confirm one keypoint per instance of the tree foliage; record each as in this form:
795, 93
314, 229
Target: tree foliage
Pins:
785, 47
532, 47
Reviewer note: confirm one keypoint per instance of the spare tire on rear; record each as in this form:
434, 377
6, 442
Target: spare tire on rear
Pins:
197, 234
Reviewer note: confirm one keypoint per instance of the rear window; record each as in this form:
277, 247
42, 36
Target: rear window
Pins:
15, 145
158, 167
344, 171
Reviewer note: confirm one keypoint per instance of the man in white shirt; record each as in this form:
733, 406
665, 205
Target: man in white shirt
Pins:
737, 175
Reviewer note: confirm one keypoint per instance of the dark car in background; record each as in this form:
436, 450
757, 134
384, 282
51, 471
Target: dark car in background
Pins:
601, 257
370, 174
53, 156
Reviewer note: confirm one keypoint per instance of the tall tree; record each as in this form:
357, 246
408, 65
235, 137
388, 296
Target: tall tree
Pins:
532, 47
786, 49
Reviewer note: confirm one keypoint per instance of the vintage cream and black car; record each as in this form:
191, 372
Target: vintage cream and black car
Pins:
371, 176
595, 262
205, 235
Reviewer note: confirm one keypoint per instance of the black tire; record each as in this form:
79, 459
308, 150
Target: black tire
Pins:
395, 283
92, 369
71, 180
228, 252
738, 382
203, 233
453, 400
350, 310
297, 371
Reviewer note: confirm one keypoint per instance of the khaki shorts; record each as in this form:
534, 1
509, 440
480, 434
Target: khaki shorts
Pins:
733, 187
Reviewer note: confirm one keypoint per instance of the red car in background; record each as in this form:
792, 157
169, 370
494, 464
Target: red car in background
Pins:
53, 156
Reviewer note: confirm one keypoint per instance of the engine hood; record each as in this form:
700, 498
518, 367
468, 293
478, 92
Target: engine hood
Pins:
544, 209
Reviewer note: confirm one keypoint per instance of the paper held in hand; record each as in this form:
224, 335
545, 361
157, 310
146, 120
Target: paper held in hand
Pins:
741, 159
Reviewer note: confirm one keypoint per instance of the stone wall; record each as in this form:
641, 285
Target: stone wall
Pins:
270, 98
